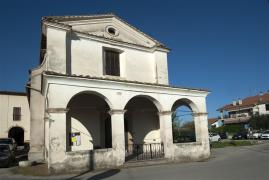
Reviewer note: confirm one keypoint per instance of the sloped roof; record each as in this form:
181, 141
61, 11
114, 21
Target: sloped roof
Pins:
64, 21
212, 120
248, 102
120, 80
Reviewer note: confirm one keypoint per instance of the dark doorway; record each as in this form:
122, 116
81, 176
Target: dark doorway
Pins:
17, 133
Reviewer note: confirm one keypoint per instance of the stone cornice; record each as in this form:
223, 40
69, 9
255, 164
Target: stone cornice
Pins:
165, 113
57, 110
200, 114
116, 111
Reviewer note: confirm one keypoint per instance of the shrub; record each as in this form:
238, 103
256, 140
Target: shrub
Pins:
259, 122
230, 128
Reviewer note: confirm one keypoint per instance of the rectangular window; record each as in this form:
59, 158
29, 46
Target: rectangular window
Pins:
112, 64
267, 107
16, 113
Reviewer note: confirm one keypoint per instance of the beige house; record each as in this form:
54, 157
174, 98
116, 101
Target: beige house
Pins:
240, 111
14, 116
101, 97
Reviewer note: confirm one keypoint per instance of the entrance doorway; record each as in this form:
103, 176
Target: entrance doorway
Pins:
17, 133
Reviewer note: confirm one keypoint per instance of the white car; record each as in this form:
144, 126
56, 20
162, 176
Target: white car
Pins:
257, 135
265, 135
214, 137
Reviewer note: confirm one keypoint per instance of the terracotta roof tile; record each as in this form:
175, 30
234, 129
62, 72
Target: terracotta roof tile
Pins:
212, 120
248, 102
121, 80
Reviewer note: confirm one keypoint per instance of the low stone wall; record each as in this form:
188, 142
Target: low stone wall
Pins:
79, 161
194, 151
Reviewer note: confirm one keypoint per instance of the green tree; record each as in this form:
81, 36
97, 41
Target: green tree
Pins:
259, 122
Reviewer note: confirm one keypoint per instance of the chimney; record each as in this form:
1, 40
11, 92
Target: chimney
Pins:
240, 101
234, 103
260, 98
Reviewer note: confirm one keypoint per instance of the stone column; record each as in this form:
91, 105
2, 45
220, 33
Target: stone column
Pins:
202, 124
57, 139
37, 130
118, 141
166, 133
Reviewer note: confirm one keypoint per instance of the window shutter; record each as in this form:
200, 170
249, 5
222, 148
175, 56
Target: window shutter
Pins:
16, 113
112, 63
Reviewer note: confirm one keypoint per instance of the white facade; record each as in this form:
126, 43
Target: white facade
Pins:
9, 101
72, 93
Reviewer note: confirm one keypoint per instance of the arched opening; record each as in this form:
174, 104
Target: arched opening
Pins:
88, 123
142, 129
17, 133
183, 121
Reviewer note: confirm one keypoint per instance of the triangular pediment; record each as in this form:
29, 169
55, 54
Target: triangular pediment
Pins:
108, 26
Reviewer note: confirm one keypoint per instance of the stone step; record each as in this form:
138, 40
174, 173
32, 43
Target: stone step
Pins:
140, 163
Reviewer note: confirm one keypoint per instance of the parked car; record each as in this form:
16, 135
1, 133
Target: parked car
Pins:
223, 135
213, 137
240, 135
255, 135
7, 156
9, 141
265, 135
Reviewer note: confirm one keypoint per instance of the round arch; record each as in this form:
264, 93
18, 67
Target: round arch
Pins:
185, 102
17, 133
92, 93
150, 98
88, 123
141, 120
183, 121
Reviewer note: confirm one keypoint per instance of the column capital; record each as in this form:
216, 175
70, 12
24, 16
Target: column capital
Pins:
116, 111
57, 110
165, 113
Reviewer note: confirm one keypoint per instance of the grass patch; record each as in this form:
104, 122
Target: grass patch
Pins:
223, 144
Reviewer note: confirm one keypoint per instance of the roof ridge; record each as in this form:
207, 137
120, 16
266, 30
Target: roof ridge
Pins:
69, 16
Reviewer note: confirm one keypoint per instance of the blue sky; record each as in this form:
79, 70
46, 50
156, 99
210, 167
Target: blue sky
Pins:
220, 45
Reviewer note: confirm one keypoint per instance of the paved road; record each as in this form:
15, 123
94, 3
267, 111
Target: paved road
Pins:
232, 163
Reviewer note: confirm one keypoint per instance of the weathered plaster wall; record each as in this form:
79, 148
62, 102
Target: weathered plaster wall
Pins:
164, 98
145, 127
88, 123
87, 59
71, 53
56, 50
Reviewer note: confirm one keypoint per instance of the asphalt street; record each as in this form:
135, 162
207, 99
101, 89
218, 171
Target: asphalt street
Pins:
231, 163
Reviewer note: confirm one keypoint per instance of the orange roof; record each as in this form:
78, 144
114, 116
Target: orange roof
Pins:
248, 102
212, 120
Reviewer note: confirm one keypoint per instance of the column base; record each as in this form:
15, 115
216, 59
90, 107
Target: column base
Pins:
37, 156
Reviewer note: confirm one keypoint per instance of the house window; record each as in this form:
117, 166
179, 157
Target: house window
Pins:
111, 62
16, 113
267, 107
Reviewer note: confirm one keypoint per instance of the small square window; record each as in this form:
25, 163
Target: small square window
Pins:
111, 63
16, 113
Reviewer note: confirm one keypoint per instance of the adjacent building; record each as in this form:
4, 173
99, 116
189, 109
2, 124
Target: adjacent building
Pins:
14, 116
214, 123
101, 96
241, 110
